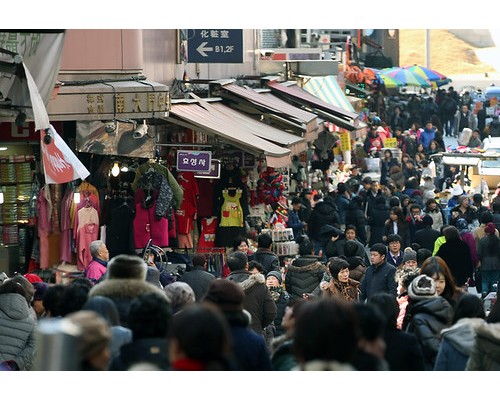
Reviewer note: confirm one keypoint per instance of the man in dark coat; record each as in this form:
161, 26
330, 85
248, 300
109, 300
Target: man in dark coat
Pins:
249, 348
198, 278
376, 221
380, 275
264, 255
258, 300
323, 213
426, 236
355, 216
403, 351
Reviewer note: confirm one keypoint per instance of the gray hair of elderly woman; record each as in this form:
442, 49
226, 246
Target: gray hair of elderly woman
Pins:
180, 295
95, 246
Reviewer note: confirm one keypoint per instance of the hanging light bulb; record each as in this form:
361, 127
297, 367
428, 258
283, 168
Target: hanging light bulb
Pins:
115, 170
1, 197
76, 197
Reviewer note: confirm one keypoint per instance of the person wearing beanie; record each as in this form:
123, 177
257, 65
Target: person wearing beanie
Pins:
93, 341
427, 236
409, 258
479, 232
198, 278
426, 316
249, 349
33, 278
124, 281
258, 300
341, 286
274, 281
488, 250
180, 295
380, 275
395, 253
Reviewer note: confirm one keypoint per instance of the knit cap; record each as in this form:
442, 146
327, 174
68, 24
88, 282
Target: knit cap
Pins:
422, 287
276, 274
409, 255
226, 294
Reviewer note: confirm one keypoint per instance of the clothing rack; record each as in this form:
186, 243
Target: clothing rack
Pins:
216, 258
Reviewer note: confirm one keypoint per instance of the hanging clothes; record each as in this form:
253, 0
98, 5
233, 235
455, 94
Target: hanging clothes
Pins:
207, 234
231, 211
185, 214
146, 223
86, 231
44, 225
65, 238
120, 228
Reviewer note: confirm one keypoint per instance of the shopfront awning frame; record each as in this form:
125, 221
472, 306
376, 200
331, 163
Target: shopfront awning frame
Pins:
236, 128
263, 104
290, 90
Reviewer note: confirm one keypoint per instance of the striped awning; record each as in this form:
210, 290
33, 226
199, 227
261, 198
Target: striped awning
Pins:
328, 90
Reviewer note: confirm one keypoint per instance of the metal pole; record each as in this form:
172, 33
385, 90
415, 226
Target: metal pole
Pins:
428, 48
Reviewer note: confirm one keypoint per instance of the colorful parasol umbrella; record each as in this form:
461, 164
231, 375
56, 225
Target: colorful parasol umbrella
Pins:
405, 77
426, 73
389, 82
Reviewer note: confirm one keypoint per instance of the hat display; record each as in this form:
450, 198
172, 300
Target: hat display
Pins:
277, 275
422, 287
409, 255
226, 294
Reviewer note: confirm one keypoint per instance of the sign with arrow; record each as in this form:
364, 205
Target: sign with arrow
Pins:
215, 46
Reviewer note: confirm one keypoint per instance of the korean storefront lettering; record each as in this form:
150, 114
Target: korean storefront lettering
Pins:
127, 102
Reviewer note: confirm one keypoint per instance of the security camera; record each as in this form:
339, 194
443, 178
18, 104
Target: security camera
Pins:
141, 130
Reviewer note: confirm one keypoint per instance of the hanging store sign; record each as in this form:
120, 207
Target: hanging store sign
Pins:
214, 172
194, 160
215, 45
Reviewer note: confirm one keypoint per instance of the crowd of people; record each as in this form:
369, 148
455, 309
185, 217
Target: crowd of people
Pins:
384, 280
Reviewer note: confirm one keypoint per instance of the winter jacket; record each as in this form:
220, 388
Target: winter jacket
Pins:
456, 344
323, 213
336, 249
250, 351
357, 268
379, 278
17, 331
485, 354
342, 203
199, 280
426, 237
426, 318
379, 215
95, 270
304, 276
281, 298
355, 215
268, 260
403, 351
346, 291
490, 259
122, 292
456, 254
258, 300
150, 350
403, 231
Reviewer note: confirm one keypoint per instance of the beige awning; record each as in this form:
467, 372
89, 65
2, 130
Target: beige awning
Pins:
239, 130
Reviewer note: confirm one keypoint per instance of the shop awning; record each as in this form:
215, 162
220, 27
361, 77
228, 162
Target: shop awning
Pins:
266, 103
327, 89
340, 117
108, 100
239, 130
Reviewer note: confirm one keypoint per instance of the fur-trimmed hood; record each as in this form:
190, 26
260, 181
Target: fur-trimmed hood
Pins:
306, 264
123, 288
462, 334
246, 280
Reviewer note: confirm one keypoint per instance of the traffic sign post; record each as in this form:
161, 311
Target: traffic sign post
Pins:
215, 46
